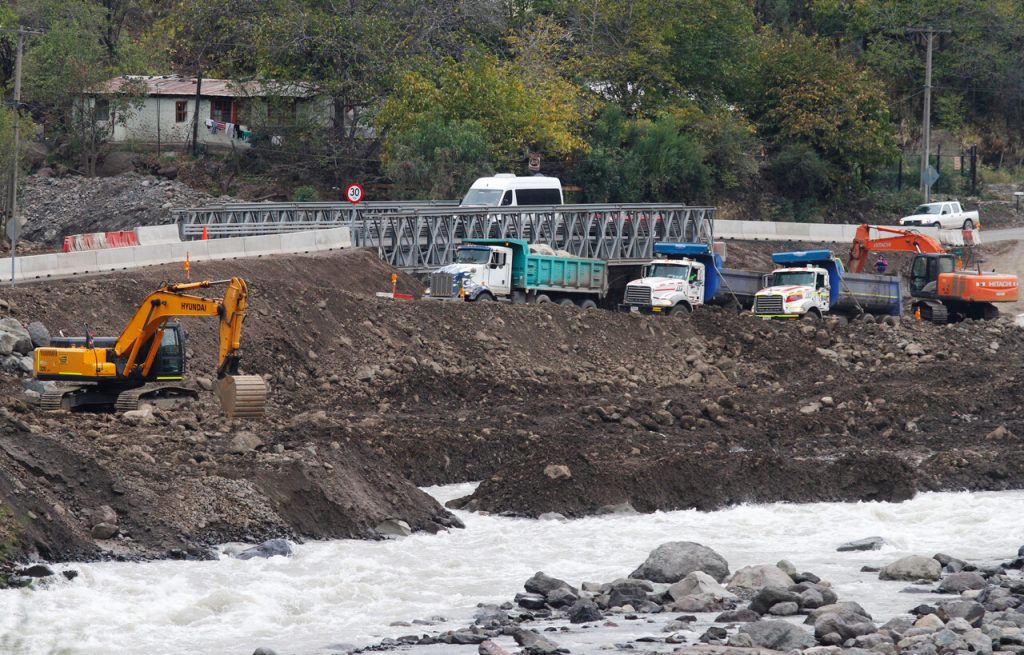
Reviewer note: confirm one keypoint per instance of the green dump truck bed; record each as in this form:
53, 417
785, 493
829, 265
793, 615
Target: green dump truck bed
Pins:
532, 272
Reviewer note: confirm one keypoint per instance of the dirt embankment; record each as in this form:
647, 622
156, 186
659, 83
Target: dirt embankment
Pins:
556, 409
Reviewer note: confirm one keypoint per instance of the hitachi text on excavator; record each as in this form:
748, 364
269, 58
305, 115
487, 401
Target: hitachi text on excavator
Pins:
112, 372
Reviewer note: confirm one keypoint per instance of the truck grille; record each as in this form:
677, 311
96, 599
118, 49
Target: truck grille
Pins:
768, 304
638, 295
441, 285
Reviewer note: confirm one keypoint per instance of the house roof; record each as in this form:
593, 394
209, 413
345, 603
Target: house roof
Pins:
176, 85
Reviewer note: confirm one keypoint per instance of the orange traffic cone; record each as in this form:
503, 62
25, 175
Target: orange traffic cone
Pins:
205, 235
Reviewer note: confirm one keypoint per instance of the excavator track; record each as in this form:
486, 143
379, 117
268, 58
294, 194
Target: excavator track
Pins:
53, 401
128, 400
242, 396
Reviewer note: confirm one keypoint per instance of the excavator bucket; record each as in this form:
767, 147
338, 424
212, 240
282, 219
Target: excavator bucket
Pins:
242, 396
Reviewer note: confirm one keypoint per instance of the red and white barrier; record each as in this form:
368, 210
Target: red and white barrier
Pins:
100, 240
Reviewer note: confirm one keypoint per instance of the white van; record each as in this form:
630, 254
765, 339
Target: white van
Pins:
508, 190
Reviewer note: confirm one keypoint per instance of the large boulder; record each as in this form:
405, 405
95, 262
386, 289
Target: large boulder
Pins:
544, 584
584, 611
955, 583
968, 610
778, 635
845, 609
14, 338
912, 567
759, 576
770, 596
847, 627
699, 582
868, 543
673, 561
271, 548
39, 334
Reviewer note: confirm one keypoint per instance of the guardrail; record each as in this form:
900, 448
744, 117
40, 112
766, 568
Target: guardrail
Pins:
252, 218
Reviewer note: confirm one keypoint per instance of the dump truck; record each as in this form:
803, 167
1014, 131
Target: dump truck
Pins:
507, 269
811, 283
685, 276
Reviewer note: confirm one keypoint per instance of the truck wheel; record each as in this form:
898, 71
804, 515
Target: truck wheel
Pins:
485, 297
588, 304
968, 224
542, 298
937, 225
566, 302
682, 310
810, 315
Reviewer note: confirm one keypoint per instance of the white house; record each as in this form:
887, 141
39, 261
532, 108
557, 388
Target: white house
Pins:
230, 113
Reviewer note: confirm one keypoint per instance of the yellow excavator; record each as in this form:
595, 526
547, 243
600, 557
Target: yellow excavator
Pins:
112, 372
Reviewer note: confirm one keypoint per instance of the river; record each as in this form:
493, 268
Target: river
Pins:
335, 593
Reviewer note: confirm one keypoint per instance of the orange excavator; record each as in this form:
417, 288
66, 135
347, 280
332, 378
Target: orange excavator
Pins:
112, 372
943, 290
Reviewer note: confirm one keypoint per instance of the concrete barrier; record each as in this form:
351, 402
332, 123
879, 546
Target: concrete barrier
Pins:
151, 235
782, 231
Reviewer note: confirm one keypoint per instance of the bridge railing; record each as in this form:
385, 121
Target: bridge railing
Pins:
420, 236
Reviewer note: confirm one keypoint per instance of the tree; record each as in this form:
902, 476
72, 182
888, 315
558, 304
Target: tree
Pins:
640, 160
437, 158
808, 93
64, 70
518, 113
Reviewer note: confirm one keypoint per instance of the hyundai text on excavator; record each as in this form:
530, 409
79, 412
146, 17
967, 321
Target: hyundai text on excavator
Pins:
943, 290
111, 372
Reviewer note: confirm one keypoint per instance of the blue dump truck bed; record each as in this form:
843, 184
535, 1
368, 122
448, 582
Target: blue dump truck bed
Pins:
855, 292
532, 272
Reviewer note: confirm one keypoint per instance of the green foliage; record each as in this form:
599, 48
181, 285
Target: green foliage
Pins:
517, 113
305, 193
642, 160
800, 172
438, 158
808, 93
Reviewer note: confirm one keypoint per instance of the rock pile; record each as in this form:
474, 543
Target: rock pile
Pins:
54, 207
983, 618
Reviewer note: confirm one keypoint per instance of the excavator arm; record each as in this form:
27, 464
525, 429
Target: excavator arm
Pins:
130, 360
899, 241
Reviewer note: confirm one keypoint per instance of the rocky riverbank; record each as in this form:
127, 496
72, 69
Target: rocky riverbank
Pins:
686, 594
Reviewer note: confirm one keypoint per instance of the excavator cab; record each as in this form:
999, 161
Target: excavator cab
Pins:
924, 273
169, 363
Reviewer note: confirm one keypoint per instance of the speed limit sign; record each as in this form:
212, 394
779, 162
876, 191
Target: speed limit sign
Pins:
354, 193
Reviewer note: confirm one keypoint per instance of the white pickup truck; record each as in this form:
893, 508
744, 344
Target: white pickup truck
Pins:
946, 215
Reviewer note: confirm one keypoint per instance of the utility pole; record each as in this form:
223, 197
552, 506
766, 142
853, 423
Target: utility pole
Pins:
926, 122
13, 225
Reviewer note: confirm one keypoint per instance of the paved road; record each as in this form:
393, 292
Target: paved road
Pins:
1008, 234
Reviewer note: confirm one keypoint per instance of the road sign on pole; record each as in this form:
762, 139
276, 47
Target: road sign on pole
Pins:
930, 176
354, 193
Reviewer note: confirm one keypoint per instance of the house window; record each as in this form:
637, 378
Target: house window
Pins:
281, 111
180, 111
223, 110
102, 110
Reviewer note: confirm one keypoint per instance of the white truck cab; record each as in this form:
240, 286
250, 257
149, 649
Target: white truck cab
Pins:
794, 292
508, 190
482, 269
669, 286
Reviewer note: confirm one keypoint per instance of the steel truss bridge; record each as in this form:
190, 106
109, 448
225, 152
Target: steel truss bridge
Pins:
421, 236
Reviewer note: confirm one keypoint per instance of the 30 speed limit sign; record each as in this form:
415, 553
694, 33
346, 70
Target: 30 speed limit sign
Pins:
354, 193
